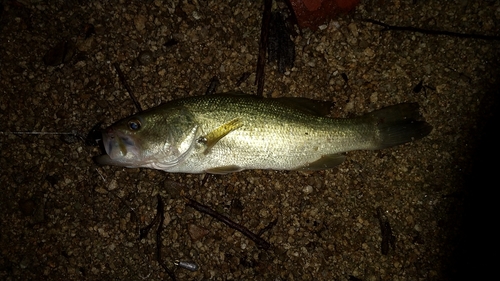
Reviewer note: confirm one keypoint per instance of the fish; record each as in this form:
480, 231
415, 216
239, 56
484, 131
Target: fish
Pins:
226, 133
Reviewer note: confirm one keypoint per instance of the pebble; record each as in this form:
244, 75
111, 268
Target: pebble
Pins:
146, 57
197, 232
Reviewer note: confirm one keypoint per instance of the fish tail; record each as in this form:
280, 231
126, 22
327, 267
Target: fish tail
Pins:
398, 124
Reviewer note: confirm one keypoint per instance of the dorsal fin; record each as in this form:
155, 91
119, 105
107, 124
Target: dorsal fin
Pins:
305, 105
308, 106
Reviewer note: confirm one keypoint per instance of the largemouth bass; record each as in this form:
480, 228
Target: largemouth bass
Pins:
232, 132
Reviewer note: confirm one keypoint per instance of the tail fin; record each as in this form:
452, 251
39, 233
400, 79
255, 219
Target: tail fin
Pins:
398, 124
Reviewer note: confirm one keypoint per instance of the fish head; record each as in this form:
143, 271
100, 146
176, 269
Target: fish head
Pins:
156, 139
122, 142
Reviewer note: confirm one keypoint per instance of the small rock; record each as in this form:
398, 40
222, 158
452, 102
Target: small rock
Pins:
146, 57
197, 232
140, 22
354, 29
369, 52
307, 189
101, 190
112, 185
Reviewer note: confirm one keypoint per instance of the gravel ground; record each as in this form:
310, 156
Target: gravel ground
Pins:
64, 218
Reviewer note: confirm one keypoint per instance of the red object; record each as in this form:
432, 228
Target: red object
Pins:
313, 13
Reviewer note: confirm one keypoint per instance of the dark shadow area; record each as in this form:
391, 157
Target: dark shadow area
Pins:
474, 250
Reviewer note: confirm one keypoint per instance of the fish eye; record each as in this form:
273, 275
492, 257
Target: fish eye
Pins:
134, 124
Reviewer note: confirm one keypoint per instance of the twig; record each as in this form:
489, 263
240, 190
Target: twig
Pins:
212, 88
242, 78
268, 227
143, 232
385, 227
125, 84
159, 218
261, 243
388, 27
160, 210
206, 179
264, 35
280, 47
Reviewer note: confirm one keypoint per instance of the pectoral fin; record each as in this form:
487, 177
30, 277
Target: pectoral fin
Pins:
323, 163
214, 136
224, 170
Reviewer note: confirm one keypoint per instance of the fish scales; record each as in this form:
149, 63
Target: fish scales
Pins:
273, 136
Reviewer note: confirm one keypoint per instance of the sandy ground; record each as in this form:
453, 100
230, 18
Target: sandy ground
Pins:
64, 218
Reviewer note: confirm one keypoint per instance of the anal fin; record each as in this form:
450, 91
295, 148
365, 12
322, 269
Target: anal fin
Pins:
224, 169
325, 162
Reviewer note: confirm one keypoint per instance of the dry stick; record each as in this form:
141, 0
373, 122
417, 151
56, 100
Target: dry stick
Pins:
431, 32
159, 218
264, 35
125, 84
206, 179
242, 78
261, 243
212, 88
160, 209
143, 232
268, 227
388, 240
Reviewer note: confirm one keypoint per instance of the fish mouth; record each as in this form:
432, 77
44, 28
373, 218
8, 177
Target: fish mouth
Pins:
110, 142
120, 149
